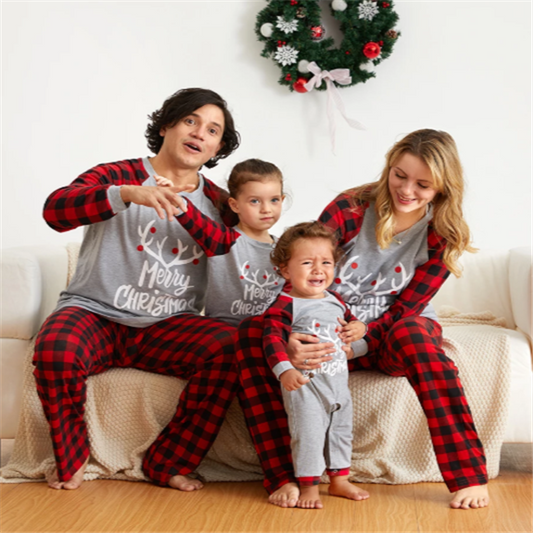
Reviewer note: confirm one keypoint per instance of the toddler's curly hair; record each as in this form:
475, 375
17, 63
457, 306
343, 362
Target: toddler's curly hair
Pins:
283, 250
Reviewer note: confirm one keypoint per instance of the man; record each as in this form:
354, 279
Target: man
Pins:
138, 290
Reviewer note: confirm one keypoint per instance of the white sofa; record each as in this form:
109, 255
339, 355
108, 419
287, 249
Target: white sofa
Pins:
494, 280
391, 438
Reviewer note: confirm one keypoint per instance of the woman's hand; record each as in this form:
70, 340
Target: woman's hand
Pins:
292, 379
307, 352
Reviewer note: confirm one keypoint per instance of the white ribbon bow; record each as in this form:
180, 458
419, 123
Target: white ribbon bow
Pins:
342, 77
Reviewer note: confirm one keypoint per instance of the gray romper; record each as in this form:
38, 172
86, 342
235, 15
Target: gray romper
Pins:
320, 412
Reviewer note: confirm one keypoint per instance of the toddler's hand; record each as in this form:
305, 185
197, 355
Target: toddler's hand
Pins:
293, 380
349, 352
351, 332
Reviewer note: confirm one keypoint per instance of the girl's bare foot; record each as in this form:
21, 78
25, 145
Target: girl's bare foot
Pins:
340, 486
285, 496
184, 483
309, 498
474, 497
73, 483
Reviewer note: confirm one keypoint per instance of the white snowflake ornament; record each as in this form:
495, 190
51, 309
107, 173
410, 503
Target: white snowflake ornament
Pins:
368, 10
286, 55
286, 26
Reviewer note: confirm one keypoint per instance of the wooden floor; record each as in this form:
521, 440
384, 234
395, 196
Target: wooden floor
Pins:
118, 506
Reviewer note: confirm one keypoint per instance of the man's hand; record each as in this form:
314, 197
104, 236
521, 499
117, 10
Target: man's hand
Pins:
165, 200
307, 352
292, 379
351, 332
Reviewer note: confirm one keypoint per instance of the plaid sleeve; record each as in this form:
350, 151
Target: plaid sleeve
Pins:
85, 201
344, 217
213, 237
277, 324
219, 198
348, 315
427, 280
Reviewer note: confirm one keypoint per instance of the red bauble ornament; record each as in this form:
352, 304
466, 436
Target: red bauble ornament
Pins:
294, 2
317, 32
299, 85
371, 50
385, 4
288, 77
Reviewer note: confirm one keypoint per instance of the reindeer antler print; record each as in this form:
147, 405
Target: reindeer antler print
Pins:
269, 279
179, 250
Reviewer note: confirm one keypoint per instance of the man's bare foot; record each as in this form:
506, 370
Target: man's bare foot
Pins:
184, 483
286, 496
73, 483
474, 497
340, 486
309, 498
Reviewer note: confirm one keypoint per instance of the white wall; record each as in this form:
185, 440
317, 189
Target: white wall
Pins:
80, 78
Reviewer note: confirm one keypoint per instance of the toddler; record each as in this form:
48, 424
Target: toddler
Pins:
318, 402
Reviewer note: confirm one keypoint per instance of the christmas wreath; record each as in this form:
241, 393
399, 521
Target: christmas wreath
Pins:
295, 38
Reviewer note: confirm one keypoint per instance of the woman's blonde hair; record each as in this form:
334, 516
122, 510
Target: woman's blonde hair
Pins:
439, 152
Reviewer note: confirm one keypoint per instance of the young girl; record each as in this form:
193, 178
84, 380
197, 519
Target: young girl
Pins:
241, 281
318, 404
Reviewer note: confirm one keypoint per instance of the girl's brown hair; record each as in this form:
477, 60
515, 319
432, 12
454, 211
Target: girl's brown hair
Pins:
438, 151
283, 250
252, 170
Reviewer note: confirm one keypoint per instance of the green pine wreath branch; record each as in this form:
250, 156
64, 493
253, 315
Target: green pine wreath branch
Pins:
356, 34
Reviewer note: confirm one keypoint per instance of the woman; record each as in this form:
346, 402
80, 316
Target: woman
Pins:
402, 236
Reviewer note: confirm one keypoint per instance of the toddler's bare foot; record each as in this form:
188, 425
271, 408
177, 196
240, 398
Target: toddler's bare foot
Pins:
340, 486
285, 496
309, 498
184, 483
474, 497
73, 483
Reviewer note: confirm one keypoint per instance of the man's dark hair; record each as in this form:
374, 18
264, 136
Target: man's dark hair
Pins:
181, 104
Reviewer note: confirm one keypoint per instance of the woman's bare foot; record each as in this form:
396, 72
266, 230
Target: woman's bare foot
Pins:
73, 483
309, 498
184, 483
474, 497
286, 496
340, 486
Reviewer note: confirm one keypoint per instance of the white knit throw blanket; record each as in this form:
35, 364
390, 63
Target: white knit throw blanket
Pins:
126, 409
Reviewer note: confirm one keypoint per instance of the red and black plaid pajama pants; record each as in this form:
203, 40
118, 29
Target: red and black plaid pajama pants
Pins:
74, 344
413, 348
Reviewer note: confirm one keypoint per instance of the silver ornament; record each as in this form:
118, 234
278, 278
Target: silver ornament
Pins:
339, 5
303, 66
267, 29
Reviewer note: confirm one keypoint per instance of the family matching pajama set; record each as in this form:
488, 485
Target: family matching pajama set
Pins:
134, 301
390, 290
319, 412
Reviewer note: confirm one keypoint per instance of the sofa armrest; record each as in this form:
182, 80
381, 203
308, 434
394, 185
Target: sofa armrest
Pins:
520, 273
31, 279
